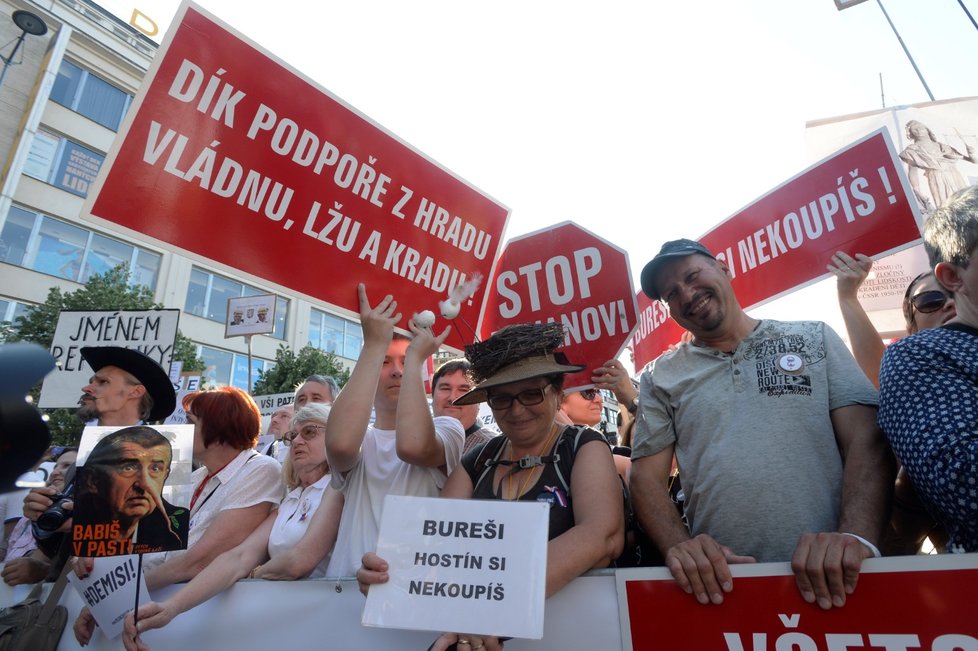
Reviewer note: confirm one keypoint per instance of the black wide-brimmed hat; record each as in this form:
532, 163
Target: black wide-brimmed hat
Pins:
150, 374
515, 353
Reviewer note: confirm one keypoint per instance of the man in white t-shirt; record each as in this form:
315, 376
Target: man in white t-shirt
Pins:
405, 451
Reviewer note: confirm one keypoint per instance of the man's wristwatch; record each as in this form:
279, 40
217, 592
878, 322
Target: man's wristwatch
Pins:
633, 406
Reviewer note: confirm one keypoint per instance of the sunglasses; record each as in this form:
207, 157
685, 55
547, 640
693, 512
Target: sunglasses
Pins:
929, 301
589, 394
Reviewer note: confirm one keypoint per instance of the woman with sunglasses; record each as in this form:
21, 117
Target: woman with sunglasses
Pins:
925, 305
586, 407
293, 542
521, 378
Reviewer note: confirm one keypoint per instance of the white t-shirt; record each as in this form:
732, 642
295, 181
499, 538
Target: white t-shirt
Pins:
293, 518
250, 478
379, 472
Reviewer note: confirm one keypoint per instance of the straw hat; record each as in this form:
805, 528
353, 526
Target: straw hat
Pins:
515, 353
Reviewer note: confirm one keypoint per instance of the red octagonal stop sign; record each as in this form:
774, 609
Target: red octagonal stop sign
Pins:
572, 276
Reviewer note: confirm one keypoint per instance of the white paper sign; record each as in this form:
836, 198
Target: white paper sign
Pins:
269, 403
110, 591
187, 384
250, 315
151, 332
465, 566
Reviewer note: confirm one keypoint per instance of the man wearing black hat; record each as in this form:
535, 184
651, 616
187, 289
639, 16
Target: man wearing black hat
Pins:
774, 429
127, 388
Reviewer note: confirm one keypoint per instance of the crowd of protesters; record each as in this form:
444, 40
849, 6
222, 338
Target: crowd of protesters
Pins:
790, 448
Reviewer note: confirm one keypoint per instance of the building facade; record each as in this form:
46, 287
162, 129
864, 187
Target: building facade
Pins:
62, 102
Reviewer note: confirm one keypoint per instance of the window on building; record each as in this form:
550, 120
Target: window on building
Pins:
63, 163
51, 246
226, 368
208, 295
93, 97
11, 309
335, 334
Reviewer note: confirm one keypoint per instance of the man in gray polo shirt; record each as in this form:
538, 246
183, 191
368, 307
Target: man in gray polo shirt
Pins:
774, 429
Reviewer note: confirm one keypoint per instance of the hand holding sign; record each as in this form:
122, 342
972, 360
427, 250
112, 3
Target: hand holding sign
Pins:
700, 566
475, 565
465, 641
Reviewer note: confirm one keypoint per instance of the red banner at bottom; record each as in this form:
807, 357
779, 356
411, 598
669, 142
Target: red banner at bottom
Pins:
900, 604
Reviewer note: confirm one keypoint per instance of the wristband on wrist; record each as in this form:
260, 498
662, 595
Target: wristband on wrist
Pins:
873, 548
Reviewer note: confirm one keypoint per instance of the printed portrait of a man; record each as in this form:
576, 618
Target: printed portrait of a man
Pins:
120, 507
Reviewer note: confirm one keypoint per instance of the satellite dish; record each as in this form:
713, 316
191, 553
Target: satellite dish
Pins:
29, 23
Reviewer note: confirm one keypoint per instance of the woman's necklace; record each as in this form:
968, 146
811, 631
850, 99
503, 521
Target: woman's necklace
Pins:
525, 481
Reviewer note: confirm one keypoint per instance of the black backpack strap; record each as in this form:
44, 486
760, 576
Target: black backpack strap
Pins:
570, 438
482, 466
54, 596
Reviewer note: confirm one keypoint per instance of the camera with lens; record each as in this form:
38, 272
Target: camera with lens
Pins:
51, 520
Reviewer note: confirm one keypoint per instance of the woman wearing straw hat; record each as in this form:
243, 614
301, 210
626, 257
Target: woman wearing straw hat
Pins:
521, 377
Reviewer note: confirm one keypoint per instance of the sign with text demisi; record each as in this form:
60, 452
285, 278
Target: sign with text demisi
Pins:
856, 200
151, 332
900, 604
234, 157
110, 591
462, 566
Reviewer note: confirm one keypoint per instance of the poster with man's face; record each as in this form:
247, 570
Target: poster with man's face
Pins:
131, 490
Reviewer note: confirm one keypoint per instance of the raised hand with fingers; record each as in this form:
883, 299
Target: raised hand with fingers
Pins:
378, 321
612, 376
425, 342
850, 272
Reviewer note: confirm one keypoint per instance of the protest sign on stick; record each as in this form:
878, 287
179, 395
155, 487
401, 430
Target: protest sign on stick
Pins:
568, 275
238, 160
131, 490
857, 201
151, 332
110, 591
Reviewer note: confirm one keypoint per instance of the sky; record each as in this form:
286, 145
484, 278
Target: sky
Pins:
643, 122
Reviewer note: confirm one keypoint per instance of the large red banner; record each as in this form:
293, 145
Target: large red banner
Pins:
857, 201
569, 275
900, 604
233, 157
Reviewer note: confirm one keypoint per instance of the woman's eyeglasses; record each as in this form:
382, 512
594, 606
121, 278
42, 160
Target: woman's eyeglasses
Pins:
929, 301
590, 394
308, 433
526, 398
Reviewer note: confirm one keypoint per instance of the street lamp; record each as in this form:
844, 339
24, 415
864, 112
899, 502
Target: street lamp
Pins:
28, 24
